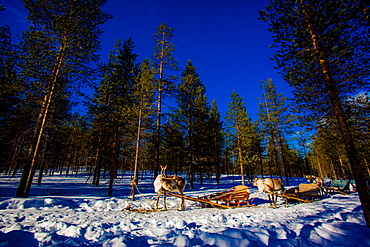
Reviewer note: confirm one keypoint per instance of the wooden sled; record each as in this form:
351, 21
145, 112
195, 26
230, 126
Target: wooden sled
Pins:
303, 192
338, 186
235, 197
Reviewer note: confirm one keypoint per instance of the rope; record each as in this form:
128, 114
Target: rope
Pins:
133, 185
255, 195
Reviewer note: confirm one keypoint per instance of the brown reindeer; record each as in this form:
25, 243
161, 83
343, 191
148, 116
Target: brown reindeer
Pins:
319, 181
163, 184
315, 180
270, 186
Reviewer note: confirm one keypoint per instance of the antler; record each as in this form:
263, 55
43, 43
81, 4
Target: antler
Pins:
163, 171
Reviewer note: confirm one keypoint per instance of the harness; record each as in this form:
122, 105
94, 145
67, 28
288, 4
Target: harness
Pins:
268, 186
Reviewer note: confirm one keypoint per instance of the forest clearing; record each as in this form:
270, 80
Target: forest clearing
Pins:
163, 90
67, 211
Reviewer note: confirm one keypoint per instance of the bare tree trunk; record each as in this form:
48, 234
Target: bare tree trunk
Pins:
260, 158
358, 169
240, 158
39, 179
367, 166
283, 159
114, 165
321, 172
30, 169
159, 115
136, 164
97, 168
342, 167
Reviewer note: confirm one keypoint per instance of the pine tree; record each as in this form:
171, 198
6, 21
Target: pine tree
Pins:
241, 135
359, 107
59, 114
215, 127
10, 102
60, 46
144, 99
192, 114
174, 146
329, 152
323, 51
114, 108
276, 123
163, 63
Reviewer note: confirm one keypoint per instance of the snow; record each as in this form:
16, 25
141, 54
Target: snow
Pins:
68, 211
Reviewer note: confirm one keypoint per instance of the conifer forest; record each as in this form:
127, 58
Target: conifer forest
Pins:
145, 114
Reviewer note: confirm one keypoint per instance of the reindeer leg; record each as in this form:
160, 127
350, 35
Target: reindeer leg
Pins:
269, 195
164, 201
272, 199
158, 196
182, 206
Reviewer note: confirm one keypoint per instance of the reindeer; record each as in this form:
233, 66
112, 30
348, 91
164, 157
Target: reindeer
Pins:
319, 181
315, 180
163, 184
270, 185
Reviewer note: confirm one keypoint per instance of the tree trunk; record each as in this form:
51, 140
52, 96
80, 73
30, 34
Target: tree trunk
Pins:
136, 165
357, 169
321, 172
158, 124
283, 159
240, 158
114, 165
30, 169
260, 159
342, 122
97, 169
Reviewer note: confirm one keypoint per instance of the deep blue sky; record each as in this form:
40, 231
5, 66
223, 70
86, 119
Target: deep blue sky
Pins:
224, 40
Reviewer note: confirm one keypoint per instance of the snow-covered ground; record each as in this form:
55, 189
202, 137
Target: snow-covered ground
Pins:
66, 211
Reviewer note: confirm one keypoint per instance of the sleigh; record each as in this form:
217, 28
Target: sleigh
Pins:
338, 186
303, 192
234, 197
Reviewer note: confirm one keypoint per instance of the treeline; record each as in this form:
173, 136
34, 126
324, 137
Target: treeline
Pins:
144, 114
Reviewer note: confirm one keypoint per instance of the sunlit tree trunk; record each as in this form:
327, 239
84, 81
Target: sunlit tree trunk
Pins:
30, 169
136, 162
342, 120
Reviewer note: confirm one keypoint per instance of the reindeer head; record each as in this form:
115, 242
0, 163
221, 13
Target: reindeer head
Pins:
309, 178
255, 182
163, 170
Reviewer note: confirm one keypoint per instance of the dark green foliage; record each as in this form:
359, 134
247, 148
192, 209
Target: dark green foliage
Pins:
163, 64
192, 115
113, 109
59, 48
306, 33
10, 101
241, 137
216, 141
324, 54
276, 124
